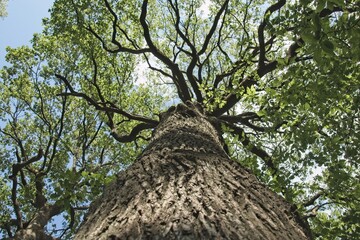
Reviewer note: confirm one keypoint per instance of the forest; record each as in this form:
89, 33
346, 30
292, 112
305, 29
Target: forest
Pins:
183, 119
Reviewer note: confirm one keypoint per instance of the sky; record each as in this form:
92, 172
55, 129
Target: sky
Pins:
23, 20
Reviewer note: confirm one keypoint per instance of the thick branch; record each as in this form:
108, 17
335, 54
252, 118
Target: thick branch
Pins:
72, 221
42, 217
213, 27
36, 226
194, 55
263, 68
178, 77
18, 166
15, 169
312, 200
261, 37
133, 134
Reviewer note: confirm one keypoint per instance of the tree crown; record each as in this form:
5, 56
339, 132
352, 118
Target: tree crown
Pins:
281, 77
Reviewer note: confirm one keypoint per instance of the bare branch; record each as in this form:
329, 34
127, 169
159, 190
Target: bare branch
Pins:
178, 77
114, 33
193, 54
134, 132
251, 147
119, 48
56, 140
157, 69
312, 200
103, 105
15, 169
18, 166
244, 119
213, 27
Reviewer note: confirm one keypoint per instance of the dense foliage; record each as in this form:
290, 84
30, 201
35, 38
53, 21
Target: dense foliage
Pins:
78, 105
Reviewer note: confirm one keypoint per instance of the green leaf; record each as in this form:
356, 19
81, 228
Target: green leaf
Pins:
328, 47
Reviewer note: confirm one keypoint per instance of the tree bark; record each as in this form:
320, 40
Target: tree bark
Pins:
35, 229
184, 186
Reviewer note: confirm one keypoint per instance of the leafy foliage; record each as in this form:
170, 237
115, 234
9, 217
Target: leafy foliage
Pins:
3, 5
283, 79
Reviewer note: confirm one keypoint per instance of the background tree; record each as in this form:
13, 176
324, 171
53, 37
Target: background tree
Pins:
3, 5
282, 78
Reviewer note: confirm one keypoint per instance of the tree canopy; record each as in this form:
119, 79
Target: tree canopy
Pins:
3, 5
79, 104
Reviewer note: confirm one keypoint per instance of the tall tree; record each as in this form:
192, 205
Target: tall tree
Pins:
261, 142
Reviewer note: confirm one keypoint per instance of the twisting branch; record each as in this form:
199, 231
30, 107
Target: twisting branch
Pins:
263, 67
119, 47
261, 37
103, 106
178, 30
15, 169
193, 54
314, 211
244, 119
213, 27
110, 110
18, 166
133, 134
251, 147
178, 77
312, 200
114, 33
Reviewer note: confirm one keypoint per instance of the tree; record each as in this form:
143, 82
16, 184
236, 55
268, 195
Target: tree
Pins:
3, 12
260, 143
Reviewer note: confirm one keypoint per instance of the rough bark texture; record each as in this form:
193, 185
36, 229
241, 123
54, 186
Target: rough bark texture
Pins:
35, 229
184, 186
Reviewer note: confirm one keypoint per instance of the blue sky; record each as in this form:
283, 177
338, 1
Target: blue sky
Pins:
23, 20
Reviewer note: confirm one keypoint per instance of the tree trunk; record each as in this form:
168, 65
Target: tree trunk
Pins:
184, 186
